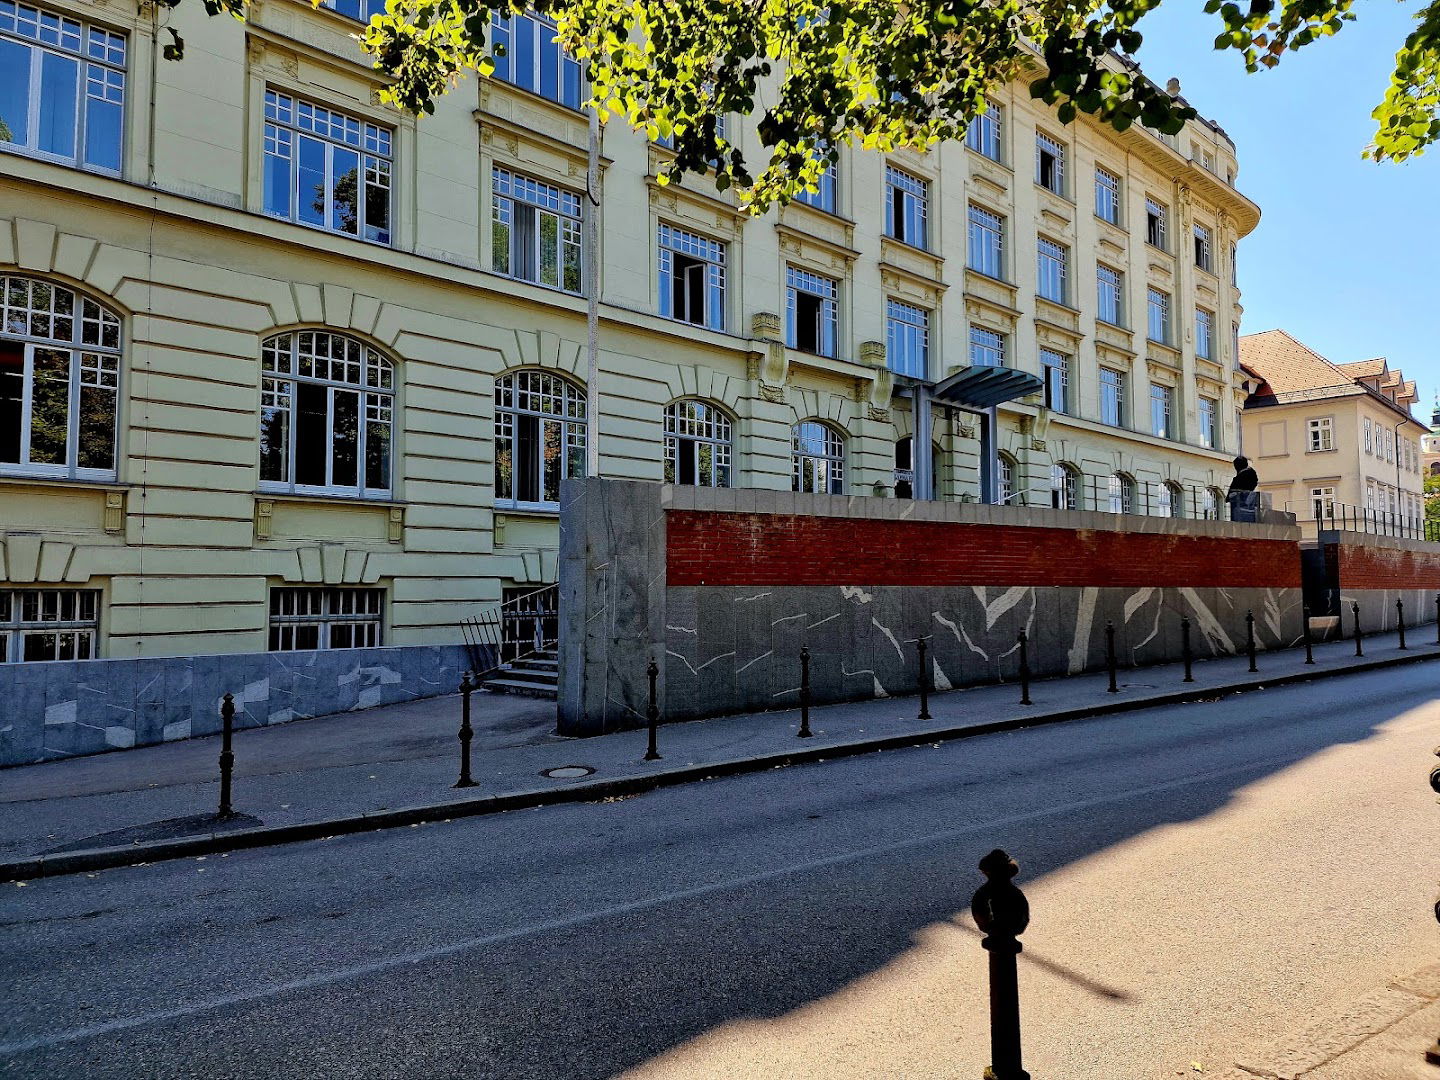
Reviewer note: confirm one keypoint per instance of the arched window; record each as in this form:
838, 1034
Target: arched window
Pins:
59, 381
327, 405
1172, 500
1008, 495
1064, 486
1122, 493
819, 459
1214, 500
698, 439
539, 437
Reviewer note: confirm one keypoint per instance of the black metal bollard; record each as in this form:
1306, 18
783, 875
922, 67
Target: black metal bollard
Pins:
1185, 653
1250, 638
1024, 668
924, 683
1400, 620
227, 755
652, 712
466, 731
804, 732
1110, 656
1437, 618
1309, 645
1355, 610
1002, 913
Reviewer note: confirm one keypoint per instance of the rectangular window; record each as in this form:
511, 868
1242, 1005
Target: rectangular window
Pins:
307, 618
1369, 437
1055, 369
1052, 270
360, 10
1234, 272
62, 87
986, 130
1110, 295
1204, 257
327, 169
1321, 433
825, 193
529, 57
1389, 445
1322, 503
1107, 196
811, 311
1158, 323
987, 347
48, 624
692, 278
1204, 334
907, 201
907, 339
535, 231
986, 243
1155, 223
1112, 397
1208, 410
1162, 399
1049, 163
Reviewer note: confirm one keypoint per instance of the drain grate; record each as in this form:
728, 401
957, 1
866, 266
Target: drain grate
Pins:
567, 772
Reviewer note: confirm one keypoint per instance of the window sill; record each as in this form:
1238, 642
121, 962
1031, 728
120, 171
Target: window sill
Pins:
47, 479
56, 159
530, 509
997, 162
539, 284
317, 498
389, 245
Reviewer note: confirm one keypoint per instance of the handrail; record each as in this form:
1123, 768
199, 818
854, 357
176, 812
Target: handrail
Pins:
486, 637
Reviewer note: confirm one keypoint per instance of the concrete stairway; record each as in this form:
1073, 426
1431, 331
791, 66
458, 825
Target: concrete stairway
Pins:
536, 676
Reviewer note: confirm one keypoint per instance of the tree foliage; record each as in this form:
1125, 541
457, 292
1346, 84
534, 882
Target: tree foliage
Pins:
879, 73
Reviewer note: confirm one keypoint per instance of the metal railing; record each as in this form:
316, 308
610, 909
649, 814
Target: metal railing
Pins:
1142, 498
1347, 518
521, 626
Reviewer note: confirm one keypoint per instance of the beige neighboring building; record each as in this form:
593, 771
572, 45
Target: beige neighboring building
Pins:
281, 368
1326, 436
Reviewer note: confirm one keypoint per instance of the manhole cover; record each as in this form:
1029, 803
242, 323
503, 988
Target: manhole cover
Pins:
567, 772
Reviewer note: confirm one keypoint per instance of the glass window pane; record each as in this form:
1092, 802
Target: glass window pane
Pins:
312, 181
12, 399
50, 408
312, 451
96, 428
14, 92
103, 117
553, 463
275, 443
377, 201
59, 80
377, 455
345, 194
549, 250
345, 462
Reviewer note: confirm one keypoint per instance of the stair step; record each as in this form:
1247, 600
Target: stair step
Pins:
522, 687
539, 663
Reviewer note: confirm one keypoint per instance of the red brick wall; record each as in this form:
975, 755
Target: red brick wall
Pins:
1364, 567
707, 548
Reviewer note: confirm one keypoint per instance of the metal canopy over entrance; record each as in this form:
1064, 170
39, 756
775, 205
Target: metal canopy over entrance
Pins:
979, 389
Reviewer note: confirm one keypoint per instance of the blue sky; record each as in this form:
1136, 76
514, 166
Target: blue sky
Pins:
1345, 254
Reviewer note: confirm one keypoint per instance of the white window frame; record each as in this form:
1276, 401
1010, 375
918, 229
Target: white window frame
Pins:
1158, 301
907, 207
1007, 477
1157, 224
1064, 486
1048, 144
987, 347
1320, 434
1162, 411
363, 371
503, 31
1207, 410
515, 251
91, 343
706, 255
549, 399
1107, 195
1109, 284
1052, 271
986, 132
357, 613
827, 290
1121, 493
1369, 437
907, 339
985, 242
1055, 370
290, 121
694, 426
826, 196
1204, 248
1322, 499
817, 456
101, 75
1204, 333
1113, 395
31, 613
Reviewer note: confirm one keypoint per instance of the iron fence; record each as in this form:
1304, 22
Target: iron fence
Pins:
525, 623
1119, 493
1330, 517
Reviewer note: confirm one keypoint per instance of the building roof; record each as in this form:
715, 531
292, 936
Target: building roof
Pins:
1290, 370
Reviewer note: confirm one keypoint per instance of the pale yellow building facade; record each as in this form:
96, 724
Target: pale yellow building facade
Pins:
342, 352
1333, 439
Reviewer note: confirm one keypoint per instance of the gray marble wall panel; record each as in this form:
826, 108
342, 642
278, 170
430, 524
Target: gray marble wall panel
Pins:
68, 708
738, 649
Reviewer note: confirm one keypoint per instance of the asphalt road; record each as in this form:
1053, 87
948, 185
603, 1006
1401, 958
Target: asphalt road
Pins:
1202, 879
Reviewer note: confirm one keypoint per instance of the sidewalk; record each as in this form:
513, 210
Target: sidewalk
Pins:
396, 765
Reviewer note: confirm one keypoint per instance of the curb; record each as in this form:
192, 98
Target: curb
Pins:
74, 862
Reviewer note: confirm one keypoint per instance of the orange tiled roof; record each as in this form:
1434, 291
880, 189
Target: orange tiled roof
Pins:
1364, 369
1287, 365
